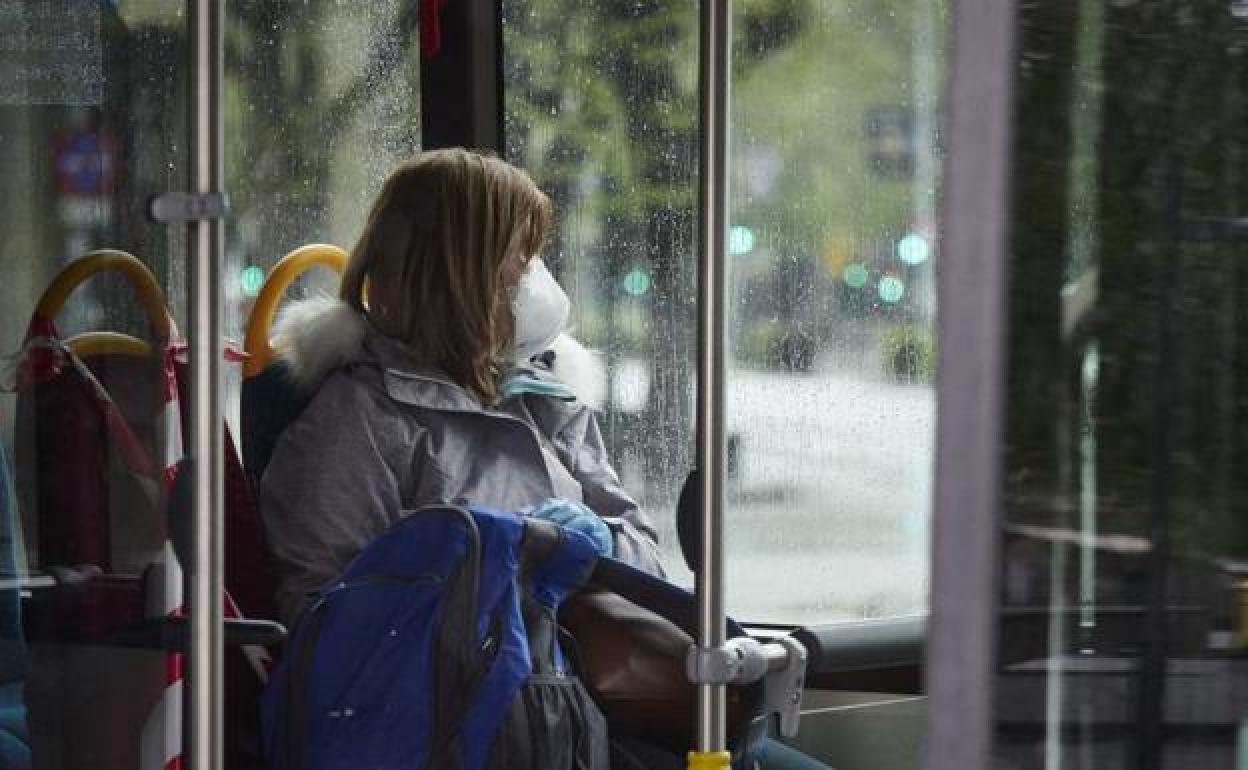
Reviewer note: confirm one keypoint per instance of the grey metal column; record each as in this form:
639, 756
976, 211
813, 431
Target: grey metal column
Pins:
962, 629
205, 578
713, 211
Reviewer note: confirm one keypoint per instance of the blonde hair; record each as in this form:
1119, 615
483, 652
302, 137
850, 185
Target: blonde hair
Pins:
445, 241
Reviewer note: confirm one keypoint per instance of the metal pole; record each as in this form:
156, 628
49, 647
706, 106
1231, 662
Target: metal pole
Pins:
962, 629
206, 584
713, 200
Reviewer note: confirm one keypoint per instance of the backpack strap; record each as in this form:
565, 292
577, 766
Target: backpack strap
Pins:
540, 542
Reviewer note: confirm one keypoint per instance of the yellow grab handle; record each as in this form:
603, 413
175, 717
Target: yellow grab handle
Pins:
150, 295
90, 344
296, 263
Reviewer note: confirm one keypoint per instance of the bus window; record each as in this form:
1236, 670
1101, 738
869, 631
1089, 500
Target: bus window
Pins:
1123, 542
835, 171
601, 108
93, 117
832, 247
321, 101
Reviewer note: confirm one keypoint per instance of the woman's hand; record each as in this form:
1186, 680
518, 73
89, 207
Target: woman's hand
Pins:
570, 514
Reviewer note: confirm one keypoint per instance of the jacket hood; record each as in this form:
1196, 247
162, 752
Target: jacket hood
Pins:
315, 336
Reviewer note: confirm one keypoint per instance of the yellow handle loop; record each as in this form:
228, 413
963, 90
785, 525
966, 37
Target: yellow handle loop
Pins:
90, 344
296, 263
144, 283
708, 760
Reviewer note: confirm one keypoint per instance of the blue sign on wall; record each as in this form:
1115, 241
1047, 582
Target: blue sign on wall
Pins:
85, 163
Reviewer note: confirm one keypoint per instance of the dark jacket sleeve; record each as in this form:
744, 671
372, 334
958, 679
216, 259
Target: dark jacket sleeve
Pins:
326, 493
580, 443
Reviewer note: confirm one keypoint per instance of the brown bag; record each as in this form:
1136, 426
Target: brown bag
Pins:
632, 661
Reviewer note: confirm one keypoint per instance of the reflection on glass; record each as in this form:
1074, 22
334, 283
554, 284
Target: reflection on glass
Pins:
833, 242
321, 99
1122, 626
92, 122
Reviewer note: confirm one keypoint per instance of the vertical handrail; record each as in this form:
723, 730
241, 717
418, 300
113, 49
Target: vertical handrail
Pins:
962, 629
714, 43
205, 573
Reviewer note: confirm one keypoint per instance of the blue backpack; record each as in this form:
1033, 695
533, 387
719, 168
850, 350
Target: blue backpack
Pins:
438, 648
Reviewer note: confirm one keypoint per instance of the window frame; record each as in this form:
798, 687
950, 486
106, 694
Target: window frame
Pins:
962, 634
462, 104
461, 82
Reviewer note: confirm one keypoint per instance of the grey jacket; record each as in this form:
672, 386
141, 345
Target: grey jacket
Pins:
382, 436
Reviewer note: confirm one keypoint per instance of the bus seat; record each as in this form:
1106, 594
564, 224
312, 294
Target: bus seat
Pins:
90, 464
95, 455
269, 403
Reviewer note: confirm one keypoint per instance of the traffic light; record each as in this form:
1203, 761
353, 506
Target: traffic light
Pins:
891, 289
855, 275
250, 280
637, 281
913, 249
740, 240
890, 141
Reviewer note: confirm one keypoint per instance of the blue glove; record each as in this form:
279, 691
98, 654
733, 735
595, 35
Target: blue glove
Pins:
576, 517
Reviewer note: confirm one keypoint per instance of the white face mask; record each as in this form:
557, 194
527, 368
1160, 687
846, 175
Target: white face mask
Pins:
541, 310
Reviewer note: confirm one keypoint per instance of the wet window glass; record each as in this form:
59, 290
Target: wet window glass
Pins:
93, 121
601, 108
1122, 630
835, 172
832, 249
321, 101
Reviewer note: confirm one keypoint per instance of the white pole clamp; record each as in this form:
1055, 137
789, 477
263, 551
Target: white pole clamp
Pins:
781, 664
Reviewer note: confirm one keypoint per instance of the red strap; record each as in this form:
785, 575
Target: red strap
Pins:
431, 28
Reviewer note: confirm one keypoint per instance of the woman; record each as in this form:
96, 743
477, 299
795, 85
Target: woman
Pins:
432, 381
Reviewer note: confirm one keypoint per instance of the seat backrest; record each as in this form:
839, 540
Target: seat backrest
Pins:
270, 403
269, 400
94, 454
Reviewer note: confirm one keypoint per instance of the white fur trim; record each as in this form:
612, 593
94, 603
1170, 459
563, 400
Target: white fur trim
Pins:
581, 369
317, 335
